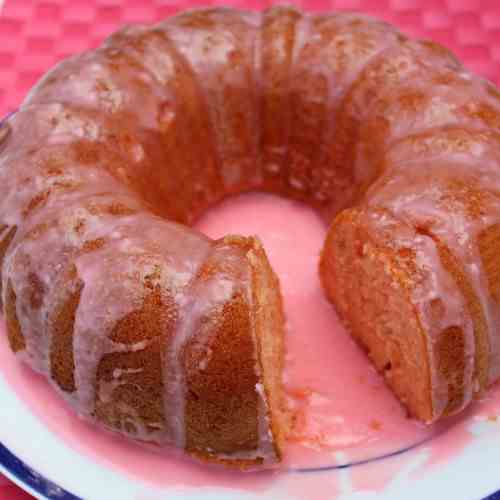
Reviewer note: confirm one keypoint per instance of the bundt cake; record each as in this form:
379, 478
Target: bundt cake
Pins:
153, 330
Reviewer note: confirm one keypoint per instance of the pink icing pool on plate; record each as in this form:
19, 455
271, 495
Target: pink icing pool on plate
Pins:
345, 413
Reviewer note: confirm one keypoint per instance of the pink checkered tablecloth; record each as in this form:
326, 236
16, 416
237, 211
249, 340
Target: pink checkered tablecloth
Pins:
9, 491
35, 34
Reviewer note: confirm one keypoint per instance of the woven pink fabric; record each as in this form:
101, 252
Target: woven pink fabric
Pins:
35, 34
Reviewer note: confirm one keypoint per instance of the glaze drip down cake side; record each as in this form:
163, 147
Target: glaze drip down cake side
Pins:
151, 329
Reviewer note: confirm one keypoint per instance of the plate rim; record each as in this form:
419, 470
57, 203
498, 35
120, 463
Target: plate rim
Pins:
18, 472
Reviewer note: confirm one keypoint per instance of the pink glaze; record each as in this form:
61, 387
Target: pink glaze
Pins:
344, 411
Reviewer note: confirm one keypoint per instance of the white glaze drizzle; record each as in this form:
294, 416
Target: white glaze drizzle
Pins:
203, 302
113, 288
434, 283
404, 195
211, 54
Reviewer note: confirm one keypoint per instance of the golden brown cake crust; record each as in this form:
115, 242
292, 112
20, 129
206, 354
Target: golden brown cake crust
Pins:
155, 331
